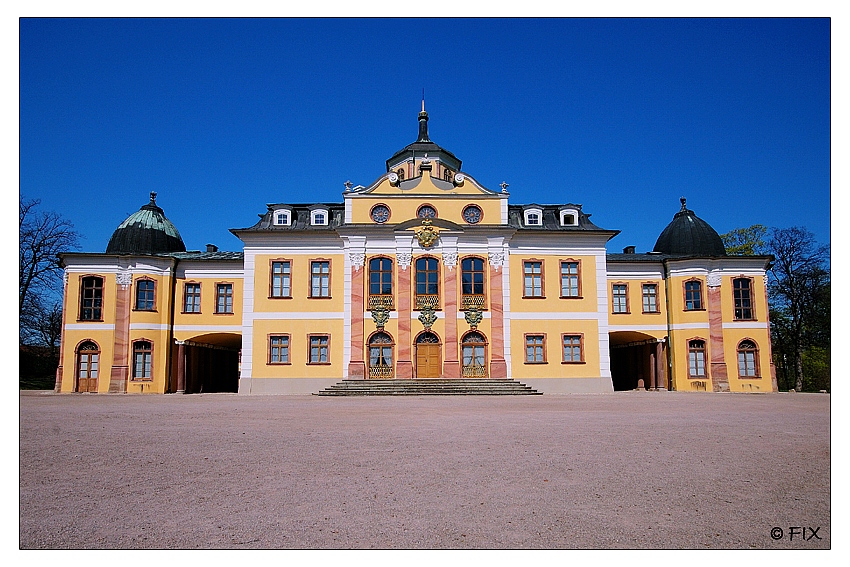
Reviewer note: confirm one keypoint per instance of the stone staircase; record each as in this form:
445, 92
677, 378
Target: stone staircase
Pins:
429, 387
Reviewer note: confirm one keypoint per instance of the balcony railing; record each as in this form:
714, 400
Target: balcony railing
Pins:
474, 371
380, 372
469, 301
432, 301
380, 301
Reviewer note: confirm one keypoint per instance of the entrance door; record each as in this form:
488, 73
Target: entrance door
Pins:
428, 364
88, 358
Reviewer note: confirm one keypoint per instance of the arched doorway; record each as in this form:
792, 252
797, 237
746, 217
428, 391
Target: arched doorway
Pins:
638, 361
207, 363
473, 355
381, 355
88, 367
428, 362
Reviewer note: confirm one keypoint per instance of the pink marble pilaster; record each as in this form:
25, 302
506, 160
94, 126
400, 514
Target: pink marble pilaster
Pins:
120, 371
404, 367
498, 367
357, 366
451, 365
719, 376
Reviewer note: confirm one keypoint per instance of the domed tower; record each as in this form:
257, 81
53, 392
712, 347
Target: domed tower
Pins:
146, 232
689, 235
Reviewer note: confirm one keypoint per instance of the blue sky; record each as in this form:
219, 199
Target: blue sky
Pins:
624, 116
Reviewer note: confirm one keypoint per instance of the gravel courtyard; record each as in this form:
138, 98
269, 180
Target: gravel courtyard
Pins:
625, 470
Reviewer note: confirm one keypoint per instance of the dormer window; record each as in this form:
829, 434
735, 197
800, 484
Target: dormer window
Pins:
533, 217
319, 217
569, 217
282, 217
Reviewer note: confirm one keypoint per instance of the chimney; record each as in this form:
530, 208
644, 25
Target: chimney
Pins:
629, 250
212, 248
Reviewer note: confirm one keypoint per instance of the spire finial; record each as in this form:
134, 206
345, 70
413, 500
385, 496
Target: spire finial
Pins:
684, 208
153, 197
423, 99
423, 122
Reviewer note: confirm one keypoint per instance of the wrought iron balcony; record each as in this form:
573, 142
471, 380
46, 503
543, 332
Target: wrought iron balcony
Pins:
380, 301
474, 371
470, 301
432, 301
380, 372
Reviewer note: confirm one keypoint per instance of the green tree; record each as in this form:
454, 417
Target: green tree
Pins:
799, 291
748, 241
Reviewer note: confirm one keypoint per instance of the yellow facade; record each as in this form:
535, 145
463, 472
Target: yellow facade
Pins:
425, 273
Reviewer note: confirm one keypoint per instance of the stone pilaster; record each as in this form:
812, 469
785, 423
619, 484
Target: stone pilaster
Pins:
357, 365
719, 376
120, 371
404, 366
498, 366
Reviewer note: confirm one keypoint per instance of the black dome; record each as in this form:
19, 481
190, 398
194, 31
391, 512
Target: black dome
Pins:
146, 232
689, 235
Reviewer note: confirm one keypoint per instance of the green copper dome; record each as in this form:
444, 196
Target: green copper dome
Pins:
146, 232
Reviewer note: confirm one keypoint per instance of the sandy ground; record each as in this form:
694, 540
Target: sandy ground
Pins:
625, 470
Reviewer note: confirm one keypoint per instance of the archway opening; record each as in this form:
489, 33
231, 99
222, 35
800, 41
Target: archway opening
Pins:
207, 363
638, 361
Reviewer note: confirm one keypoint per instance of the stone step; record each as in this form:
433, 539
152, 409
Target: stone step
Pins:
430, 386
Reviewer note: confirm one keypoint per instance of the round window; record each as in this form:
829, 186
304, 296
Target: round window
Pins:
380, 213
472, 214
426, 212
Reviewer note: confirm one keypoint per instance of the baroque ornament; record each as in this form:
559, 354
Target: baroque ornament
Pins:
357, 259
426, 235
427, 317
449, 258
714, 278
473, 317
380, 315
497, 259
124, 278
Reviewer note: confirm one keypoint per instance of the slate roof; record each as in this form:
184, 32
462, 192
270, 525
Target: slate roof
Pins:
689, 235
146, 232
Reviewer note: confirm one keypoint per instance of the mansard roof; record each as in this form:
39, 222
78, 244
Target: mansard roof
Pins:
300, 220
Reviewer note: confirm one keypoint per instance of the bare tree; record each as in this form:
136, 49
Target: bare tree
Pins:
43, 234
800, 290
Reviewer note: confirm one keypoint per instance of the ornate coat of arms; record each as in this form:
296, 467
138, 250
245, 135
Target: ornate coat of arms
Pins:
380, 315
473, 316
426, 235
427, 317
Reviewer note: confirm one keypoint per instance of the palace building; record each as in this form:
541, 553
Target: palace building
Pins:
424, 273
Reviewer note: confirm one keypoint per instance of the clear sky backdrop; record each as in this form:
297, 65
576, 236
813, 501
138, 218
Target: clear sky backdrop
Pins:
623, 116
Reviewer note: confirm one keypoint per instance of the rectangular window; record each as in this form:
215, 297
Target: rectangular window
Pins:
533, 274
570, 279
696, 359
319, 349
142, 360
192, 298
91, 299
320, 278
144, 295
743, 298
650, 298
224, 298
279, 349
281, 279
693, 295
620, 298
572, 348
746, 363
535, 351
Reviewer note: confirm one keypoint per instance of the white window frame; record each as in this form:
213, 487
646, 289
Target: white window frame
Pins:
567, 212
287, 212
315, 212
528, 212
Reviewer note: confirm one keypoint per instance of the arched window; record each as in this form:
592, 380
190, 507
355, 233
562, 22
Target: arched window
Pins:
91, 299
400, 173
380, 283
88, 366
472, 283
447, 175
693, 295
145, 295
427, 283
748, 356
473, 349
142, 359
742, 289
696, 358
380, 356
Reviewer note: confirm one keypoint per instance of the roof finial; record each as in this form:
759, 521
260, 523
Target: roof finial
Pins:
153, 197
504, 186
423, 122
684, 208
423, 99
